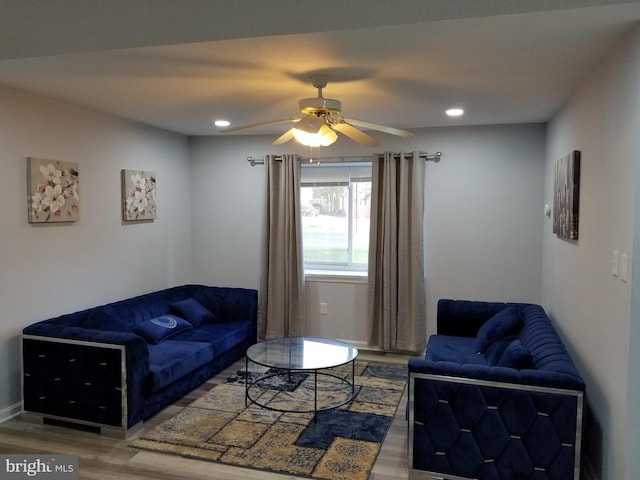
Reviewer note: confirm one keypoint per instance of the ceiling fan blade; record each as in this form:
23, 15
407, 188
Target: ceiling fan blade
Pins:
354, 134
284, 138
380, 128
260, 124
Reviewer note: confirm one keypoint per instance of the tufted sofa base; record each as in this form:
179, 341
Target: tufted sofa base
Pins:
72, 423
500, 438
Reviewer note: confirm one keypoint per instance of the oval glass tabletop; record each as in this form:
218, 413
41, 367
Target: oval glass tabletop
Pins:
302, 353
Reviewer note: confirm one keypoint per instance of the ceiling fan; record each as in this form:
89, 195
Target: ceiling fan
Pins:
321, 120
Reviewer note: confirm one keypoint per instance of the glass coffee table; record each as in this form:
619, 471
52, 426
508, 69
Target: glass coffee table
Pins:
315, 356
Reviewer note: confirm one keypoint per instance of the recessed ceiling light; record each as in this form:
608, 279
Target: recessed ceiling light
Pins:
455, 112
222, 123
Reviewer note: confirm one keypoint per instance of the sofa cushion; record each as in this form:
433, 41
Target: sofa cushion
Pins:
449, 348
504, 323
516, 356
222, 336
105, 318
171, 360
157, 329
192, 311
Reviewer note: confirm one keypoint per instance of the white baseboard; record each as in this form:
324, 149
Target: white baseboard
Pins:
10, 412
363, 346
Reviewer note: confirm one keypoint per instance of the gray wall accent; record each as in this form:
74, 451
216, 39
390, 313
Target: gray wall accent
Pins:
632, 465
484, 214
591, 306
47, 270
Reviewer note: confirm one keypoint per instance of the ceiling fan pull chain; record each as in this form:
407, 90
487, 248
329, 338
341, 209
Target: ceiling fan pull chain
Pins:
311, 155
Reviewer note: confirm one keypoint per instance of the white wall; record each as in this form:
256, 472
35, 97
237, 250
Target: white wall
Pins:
484, 214
590, 306
47, 270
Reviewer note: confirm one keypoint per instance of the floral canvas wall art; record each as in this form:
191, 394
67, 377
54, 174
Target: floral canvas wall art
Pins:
53, 191
138, 195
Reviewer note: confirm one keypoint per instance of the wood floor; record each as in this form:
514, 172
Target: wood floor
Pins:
103, 458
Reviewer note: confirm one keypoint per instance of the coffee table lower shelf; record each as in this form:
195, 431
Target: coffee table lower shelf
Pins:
316, 373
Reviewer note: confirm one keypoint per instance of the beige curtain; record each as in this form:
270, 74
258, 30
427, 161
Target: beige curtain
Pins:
282, 284
396, 285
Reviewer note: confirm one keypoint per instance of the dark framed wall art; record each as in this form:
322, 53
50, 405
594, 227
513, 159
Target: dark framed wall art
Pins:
566, 196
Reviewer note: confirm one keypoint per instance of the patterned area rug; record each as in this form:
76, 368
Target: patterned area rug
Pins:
342, 444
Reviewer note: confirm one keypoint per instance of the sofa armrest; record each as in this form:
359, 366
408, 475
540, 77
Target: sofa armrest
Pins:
50, 329
136, 347
472, 428
479, 372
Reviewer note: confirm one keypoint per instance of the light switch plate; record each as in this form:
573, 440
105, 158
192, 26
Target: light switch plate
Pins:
624, 267
614, 263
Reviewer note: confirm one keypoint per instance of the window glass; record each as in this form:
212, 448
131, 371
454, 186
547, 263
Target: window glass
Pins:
336, 204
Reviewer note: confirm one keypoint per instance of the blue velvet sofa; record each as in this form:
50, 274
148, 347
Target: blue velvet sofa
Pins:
113, 366
496, 397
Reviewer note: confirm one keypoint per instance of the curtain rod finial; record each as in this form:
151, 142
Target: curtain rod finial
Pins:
255, 161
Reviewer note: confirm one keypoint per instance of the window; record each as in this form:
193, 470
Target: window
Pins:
336, 202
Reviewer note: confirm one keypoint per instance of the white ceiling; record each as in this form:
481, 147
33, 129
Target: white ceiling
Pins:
180, 64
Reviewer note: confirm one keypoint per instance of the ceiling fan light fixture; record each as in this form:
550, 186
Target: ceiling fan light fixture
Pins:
322, 137
309, 124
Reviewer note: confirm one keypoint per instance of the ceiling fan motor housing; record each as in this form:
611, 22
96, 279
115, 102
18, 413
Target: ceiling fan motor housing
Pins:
320, 106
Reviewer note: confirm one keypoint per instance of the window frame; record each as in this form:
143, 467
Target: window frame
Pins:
349, 268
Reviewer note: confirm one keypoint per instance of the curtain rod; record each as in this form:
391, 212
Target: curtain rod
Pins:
424, 155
